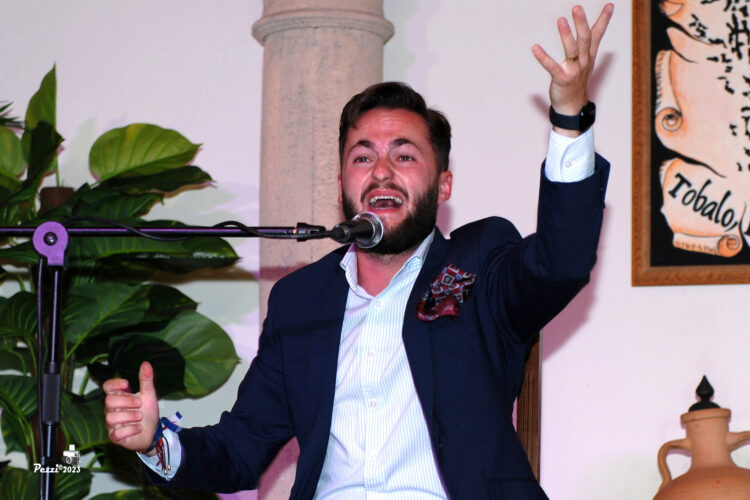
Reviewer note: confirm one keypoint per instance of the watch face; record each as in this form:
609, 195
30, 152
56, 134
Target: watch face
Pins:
586, 116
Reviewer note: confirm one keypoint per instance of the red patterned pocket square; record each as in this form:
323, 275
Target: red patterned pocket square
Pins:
452, 286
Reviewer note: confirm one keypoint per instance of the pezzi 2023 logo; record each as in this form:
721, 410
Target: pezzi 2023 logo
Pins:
70, 462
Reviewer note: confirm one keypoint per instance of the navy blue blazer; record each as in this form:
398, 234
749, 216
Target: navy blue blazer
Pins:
467, 370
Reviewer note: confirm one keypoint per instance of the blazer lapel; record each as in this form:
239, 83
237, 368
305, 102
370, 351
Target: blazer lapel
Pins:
416, 334
323, 346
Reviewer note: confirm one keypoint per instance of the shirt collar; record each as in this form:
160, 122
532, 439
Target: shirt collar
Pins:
349, 263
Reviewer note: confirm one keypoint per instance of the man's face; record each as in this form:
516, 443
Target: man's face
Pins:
389, 168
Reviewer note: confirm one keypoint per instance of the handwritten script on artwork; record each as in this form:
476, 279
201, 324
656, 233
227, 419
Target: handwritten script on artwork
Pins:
702, 112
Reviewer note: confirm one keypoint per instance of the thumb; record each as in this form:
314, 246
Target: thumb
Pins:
146, 379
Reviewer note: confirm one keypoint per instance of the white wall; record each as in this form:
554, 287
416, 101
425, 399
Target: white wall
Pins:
620, 364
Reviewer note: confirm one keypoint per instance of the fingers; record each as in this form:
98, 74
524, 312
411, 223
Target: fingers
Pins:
116, 419
116, 385
585, 43
146, 379
120, 435
600, 27
570, 47
121, 401
547, 62
583, 35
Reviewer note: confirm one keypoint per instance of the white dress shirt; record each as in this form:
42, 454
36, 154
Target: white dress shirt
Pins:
379, 447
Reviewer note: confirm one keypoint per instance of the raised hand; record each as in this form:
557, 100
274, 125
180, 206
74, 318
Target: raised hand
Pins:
570, 77
132, 418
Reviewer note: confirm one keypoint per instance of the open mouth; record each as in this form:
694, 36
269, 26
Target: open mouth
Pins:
383, 202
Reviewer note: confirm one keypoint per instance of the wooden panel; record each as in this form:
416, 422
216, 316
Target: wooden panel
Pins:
529, 406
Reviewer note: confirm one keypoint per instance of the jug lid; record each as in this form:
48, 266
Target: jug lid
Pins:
705, 392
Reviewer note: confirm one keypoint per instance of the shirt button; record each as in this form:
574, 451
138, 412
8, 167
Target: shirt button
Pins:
370, 354
568, 163
378, 303
373, 403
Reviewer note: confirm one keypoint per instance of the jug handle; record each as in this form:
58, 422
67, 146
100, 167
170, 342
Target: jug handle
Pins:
683, 444
737, 439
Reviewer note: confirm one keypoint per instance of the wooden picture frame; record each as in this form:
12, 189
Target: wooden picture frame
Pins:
655, 259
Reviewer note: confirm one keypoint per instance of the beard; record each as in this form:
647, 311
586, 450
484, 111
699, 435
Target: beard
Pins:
411, 231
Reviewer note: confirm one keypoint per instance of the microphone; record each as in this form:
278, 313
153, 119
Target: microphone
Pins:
365, 229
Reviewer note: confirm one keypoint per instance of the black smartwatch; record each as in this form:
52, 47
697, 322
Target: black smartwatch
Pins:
580, 122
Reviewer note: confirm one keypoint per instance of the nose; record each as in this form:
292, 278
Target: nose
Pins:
382, 170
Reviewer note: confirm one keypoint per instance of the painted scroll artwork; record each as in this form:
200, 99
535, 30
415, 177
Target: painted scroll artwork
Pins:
702, 118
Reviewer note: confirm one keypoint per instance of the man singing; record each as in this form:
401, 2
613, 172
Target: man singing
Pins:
396, 367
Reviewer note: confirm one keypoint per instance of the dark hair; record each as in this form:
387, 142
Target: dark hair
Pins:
397, 95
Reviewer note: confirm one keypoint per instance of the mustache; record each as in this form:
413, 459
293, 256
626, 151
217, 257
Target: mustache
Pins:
389, 186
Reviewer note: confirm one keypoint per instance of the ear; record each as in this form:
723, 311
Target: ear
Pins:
341, 191
445, 185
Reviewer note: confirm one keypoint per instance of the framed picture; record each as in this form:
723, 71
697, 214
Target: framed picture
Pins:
691, 142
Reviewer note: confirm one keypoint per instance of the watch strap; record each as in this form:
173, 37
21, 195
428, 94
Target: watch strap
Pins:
580, 122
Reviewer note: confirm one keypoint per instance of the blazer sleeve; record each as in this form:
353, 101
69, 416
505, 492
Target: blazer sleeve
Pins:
231, 455
534, 279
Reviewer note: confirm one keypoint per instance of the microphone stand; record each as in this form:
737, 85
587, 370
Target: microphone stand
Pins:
50, 240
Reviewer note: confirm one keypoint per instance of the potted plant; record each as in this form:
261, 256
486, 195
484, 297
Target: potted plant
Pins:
114, 314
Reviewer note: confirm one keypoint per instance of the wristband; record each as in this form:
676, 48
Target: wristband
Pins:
164, 423
580, 122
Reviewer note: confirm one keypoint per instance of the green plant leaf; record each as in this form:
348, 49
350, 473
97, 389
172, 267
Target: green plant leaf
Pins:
126, 353
18, 317
121, 495
124, 464
18, 399
8, 121
43, 104
42, 108
114, 205
165, 182
44, 141
175, 256
165, 302
43, 150
12, 161
23, 253
19, 484
139, 149
136, 247
97, 308
202, 253
73, 485
82, 422
16, 358
208, 351
15, 433
20, 393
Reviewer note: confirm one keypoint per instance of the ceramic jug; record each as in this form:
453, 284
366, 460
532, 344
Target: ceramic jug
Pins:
712, 474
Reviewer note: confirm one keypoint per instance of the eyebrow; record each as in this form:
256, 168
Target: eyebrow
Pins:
400, 141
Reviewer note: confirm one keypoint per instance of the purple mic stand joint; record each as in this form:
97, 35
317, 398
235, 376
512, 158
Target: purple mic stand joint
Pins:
50, 241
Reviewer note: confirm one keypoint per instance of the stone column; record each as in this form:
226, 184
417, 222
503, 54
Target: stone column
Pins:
317, 54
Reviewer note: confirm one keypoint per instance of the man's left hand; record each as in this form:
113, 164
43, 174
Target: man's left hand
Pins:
570, 77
